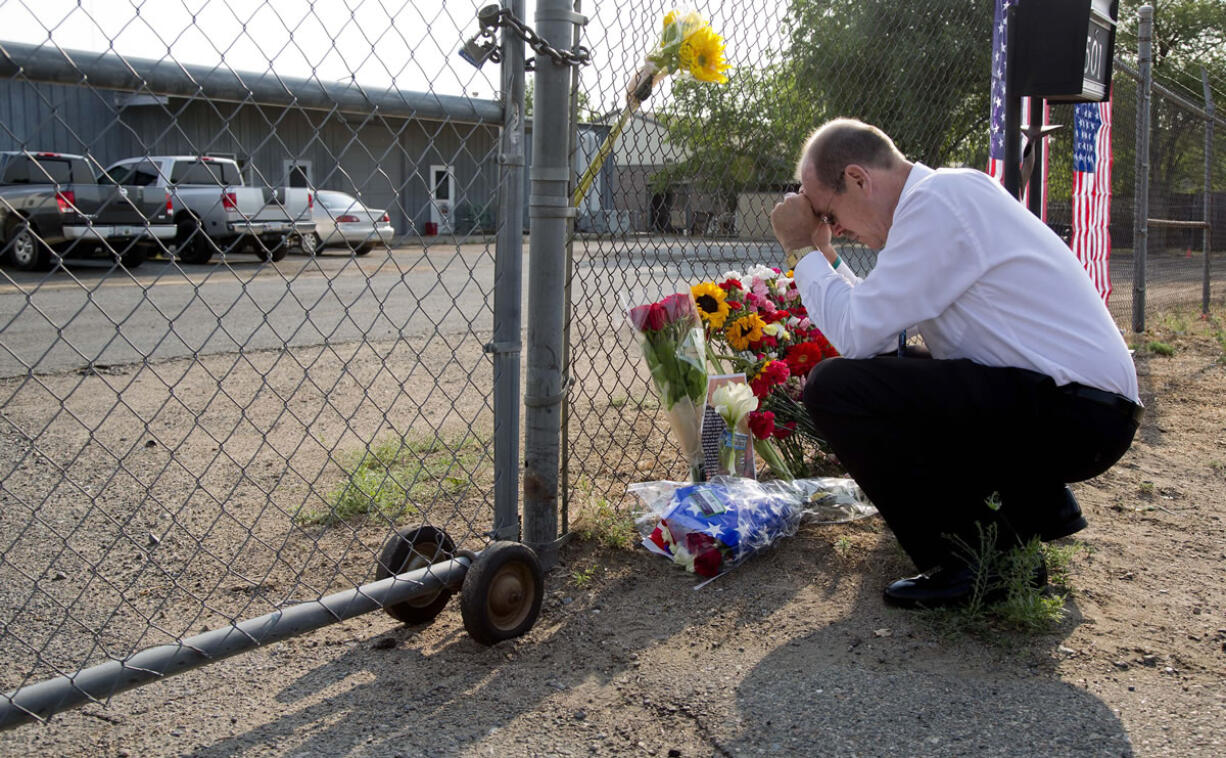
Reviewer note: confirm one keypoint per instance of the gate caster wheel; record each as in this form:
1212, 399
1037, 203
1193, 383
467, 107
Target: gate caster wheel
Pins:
502, 593
411, 548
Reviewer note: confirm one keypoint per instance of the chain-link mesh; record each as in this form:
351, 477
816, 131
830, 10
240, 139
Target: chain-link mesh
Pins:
231, 366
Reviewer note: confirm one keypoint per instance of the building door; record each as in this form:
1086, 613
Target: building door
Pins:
298, 173
442, 198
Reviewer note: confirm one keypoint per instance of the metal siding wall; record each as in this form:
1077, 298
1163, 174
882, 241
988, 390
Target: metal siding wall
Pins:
388, 159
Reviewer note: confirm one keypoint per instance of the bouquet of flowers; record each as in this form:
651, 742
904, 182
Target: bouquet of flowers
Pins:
671, 336
688, 46
756, 323
710, 527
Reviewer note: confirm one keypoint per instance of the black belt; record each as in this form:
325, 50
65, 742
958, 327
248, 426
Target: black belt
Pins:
1112, 400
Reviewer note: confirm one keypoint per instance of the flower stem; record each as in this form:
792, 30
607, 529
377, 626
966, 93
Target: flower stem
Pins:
606, 147
771, 455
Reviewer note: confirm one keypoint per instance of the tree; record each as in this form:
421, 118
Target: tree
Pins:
1188, 35
920, 71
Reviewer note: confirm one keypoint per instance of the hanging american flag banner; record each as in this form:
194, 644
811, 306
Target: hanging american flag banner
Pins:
1092, 192
996, 144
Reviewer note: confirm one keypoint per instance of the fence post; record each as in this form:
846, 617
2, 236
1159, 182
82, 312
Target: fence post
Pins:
508, 284
1140, 222
564, 510
1207, 232
549, 210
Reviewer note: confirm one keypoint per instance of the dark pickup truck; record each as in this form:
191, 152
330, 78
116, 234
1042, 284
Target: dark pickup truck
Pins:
52, 207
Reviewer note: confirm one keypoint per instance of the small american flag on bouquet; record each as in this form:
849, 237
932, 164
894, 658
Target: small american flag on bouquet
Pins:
1091, 241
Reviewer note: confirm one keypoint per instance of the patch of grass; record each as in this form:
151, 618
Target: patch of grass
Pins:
1217, 466
390, 475
1158, 347
1176, 321
1004, 597
600, 521
842, 547
1146, 489
583, 577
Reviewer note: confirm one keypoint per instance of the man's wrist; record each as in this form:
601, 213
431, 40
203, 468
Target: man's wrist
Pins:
796, 253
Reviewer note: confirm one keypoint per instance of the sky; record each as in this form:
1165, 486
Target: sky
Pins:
408, 44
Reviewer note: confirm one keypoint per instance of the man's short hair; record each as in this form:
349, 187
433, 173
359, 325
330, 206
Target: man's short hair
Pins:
839, 143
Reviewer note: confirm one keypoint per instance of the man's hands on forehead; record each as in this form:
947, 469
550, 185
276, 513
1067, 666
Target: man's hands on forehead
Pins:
796, 224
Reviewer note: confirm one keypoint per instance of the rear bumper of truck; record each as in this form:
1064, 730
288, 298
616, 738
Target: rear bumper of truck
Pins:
263, 228
119, 231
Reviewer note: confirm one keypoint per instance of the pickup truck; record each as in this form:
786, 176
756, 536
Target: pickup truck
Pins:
215, 212
52, 207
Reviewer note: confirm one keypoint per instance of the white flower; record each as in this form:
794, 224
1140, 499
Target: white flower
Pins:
781, 285
733, 401
761, 272
775, 330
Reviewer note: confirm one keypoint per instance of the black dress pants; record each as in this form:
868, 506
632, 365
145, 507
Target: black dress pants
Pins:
930, 440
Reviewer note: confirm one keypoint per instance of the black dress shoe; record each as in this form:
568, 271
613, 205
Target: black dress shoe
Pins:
949, 588
1065, 521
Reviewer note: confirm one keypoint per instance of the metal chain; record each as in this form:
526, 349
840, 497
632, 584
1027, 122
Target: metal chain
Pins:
492, 17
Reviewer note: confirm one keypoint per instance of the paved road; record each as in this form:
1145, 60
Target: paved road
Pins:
91, 314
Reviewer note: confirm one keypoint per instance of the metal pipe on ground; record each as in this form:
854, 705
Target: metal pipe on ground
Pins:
98, 683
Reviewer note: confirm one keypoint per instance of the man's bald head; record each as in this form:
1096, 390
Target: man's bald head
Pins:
842, 142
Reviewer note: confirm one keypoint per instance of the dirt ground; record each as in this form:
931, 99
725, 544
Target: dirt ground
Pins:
791, 654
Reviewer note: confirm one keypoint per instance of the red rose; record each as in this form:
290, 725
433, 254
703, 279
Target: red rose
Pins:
698, 542
638, 316
731, 284
707, 562
772, 374
656, 317
783, 431
761, 424
678, 307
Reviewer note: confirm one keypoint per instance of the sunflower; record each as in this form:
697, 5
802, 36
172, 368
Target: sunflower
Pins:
702, 54
745, 330
712, 303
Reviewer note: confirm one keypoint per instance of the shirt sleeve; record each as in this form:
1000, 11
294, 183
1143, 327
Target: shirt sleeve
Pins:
932, 256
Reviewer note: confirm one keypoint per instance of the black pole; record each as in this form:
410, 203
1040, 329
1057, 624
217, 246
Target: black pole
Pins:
1013, 110
1035, 199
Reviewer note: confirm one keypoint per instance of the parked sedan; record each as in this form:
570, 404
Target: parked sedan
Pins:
343, 221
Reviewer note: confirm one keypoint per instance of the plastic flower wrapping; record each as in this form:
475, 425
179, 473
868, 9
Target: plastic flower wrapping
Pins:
671, 337
756, 324
710, 527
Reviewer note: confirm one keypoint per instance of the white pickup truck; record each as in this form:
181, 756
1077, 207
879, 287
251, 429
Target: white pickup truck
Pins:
215, 212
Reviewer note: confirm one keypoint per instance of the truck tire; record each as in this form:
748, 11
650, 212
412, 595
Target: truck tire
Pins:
26, 251
134, 255
271, 248
191, 243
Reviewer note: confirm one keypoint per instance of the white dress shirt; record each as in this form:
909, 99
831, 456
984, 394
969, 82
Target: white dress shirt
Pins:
981, 278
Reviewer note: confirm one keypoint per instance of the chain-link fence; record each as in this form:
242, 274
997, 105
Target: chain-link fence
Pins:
260, 306
248, 288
